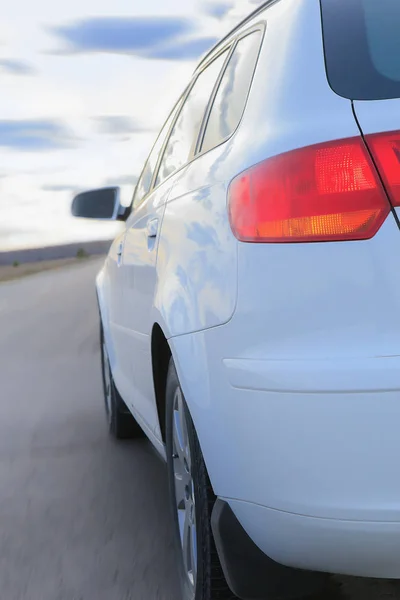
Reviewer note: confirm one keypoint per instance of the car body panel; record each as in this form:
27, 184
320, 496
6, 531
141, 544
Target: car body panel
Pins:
288, 354
139, 257
197, 264
348, 547
378, 116
109, 292
305, 368
375, 116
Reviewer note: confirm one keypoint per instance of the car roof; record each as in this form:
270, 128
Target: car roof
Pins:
246, 20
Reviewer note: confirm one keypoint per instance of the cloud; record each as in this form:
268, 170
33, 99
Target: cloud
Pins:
184, 50
217, 9
121, 180
35, 135
230, 12
146, 37
121, 35
15, 67
60, 187
119, 124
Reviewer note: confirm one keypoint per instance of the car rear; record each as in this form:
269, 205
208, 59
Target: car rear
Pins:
304, 380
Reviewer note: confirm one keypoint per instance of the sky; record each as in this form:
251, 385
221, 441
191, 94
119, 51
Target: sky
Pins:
86, 86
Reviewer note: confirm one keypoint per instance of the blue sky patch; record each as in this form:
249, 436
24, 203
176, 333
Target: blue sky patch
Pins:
119, 125
191, 49
34, 135
132, 35
16, 67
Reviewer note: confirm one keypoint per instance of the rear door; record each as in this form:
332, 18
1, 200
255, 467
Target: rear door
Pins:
142, 236
362, 54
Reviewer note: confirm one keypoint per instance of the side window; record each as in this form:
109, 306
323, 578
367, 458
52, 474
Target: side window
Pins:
230, 100
143, 185
187, 126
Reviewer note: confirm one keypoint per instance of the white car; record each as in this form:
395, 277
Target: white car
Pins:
250, 309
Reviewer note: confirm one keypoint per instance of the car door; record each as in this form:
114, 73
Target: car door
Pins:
142, 236
138, 248
113, 302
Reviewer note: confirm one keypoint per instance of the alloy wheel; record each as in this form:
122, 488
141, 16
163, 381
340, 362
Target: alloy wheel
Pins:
184, 489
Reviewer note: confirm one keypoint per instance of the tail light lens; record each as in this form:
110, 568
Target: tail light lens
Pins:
319, 193
385, 148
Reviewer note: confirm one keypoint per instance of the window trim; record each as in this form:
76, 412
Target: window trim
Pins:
194, 154
228, 50
161, 151
262, 26
231, 34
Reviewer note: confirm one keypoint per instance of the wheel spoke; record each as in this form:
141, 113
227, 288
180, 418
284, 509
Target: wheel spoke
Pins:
188, 459
179, 490
184, 438
186, 541
181, 523
193, 549
181, 412
177, 437
183, 426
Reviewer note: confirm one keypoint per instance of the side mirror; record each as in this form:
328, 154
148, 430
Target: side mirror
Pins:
100, 204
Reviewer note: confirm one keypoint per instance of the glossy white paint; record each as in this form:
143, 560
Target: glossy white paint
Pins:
348, 547
105, 286
197, 261
378, 115
138, 291
288, 354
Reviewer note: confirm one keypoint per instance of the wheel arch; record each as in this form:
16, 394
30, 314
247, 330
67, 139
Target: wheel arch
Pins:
192, 366
160, 356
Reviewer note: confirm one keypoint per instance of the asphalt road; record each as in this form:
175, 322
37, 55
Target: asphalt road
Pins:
81, 516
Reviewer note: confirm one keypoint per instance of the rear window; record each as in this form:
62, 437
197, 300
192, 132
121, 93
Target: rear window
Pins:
362, 47
233, 90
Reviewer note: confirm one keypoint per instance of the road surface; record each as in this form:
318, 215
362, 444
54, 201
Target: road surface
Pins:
81, 517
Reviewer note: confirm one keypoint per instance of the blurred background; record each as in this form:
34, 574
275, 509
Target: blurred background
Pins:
85, 88
86, 85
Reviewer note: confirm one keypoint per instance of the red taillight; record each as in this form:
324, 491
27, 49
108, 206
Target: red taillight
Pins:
319, 193
385, 149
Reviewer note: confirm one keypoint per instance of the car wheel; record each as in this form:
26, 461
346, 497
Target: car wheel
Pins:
121, 423
192, 500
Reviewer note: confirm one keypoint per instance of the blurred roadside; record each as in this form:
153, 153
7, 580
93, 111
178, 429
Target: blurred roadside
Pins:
48, 253
19, 263
17, 270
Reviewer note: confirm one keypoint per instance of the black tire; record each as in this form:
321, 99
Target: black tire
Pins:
210, 582
121, 423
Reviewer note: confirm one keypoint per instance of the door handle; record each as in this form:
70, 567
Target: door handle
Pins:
152, 228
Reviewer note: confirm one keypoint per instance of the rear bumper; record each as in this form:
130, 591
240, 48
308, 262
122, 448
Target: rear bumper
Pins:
321, 490
250, 573
361, 548
306, 454
333, 376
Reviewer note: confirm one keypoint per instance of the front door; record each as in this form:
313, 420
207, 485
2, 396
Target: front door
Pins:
139, 264
138, 268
